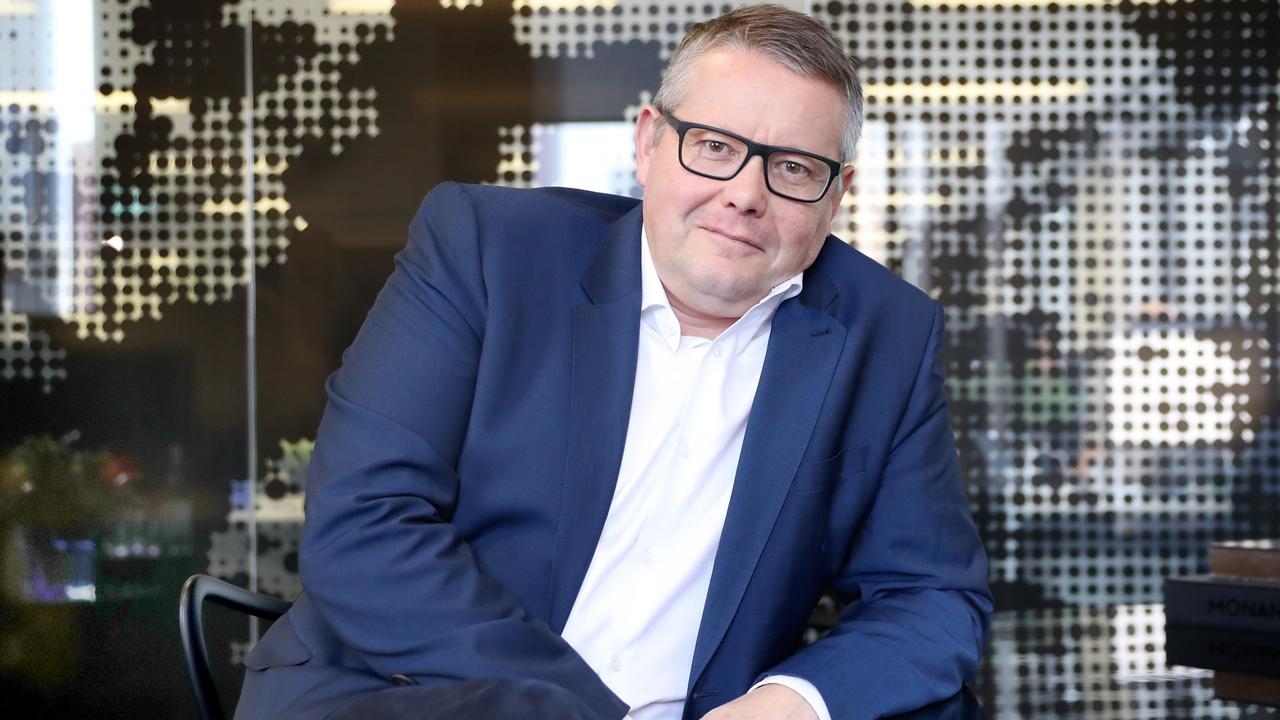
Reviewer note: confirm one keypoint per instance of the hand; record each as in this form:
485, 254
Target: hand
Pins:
767, 702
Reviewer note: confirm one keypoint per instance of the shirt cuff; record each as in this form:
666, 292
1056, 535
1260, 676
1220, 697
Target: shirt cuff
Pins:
802, 687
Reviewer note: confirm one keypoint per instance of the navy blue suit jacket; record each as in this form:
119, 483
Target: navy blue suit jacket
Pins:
469, 450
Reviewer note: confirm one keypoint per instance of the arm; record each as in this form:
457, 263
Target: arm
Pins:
915, 634
385, 570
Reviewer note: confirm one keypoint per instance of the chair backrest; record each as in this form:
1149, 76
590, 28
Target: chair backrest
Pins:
195, 591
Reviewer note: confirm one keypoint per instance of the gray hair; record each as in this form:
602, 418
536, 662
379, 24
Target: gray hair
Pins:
797, 42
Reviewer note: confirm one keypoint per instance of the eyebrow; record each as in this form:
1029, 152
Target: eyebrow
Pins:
673, 120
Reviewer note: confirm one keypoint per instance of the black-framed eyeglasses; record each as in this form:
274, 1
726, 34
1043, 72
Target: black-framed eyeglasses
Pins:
720, 155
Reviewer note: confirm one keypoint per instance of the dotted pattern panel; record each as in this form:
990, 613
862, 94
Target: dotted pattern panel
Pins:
1101, 234
518, 149
1094, 664
26, 353
278, 502
535, 157
1088, 188
572, 28
157, 194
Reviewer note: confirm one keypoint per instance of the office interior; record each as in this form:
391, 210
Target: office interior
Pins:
200, 199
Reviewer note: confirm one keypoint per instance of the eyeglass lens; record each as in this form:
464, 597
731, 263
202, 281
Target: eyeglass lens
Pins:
721, 156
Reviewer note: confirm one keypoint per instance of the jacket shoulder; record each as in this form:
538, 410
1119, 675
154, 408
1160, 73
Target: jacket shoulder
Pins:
497, 204
869, 288
522, 241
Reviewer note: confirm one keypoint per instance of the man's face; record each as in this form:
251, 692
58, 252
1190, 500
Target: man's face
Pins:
720, 245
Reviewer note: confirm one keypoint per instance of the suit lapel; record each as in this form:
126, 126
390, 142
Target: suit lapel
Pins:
605, 345
804, 345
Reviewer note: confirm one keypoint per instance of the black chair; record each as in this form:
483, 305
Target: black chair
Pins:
195, 591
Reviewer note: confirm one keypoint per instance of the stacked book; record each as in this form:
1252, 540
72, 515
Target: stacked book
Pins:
1229, 621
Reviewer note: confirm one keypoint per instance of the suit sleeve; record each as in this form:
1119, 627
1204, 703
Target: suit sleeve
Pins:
384, 568
915, 633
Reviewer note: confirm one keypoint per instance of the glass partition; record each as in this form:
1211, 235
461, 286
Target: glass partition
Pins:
201, 200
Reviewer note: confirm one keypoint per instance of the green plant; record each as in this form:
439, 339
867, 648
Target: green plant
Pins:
47, 482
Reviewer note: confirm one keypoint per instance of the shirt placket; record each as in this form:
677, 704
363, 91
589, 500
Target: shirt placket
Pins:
650, 545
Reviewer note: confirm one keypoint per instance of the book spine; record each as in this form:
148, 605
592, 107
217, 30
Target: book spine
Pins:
1241, 562
1246, 688
1217, 649
1222, 603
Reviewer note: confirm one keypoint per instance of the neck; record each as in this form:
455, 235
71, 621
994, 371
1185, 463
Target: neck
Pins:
697, 323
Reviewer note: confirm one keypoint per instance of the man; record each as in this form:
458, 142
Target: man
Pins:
618, 451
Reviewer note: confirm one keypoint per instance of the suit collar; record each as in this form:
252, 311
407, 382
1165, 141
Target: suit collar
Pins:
604, 349
615, 271
819, 292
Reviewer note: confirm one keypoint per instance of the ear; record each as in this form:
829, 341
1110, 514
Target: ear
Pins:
646, 125
843, 182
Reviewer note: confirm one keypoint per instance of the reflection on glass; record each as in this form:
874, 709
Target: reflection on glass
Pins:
1087, 188
51, 567
81, 525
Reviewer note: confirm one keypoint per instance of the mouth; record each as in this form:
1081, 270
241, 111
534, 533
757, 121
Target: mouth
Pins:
739, 239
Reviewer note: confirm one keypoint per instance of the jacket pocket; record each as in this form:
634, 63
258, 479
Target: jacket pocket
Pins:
817, 475
279, 647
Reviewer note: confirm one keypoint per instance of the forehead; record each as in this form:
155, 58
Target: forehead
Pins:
754, 95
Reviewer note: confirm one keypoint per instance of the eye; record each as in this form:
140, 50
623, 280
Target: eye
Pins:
716, 147
794, 169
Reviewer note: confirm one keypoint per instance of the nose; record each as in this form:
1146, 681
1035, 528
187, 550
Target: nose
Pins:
746, 192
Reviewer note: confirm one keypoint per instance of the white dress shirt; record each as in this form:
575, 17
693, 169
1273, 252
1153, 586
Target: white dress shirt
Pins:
636, 617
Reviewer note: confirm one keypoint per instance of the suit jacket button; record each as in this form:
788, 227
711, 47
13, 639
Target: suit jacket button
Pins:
402, 680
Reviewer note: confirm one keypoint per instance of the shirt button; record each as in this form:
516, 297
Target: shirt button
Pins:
717, 350
682, 451
615, 663
647, 556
